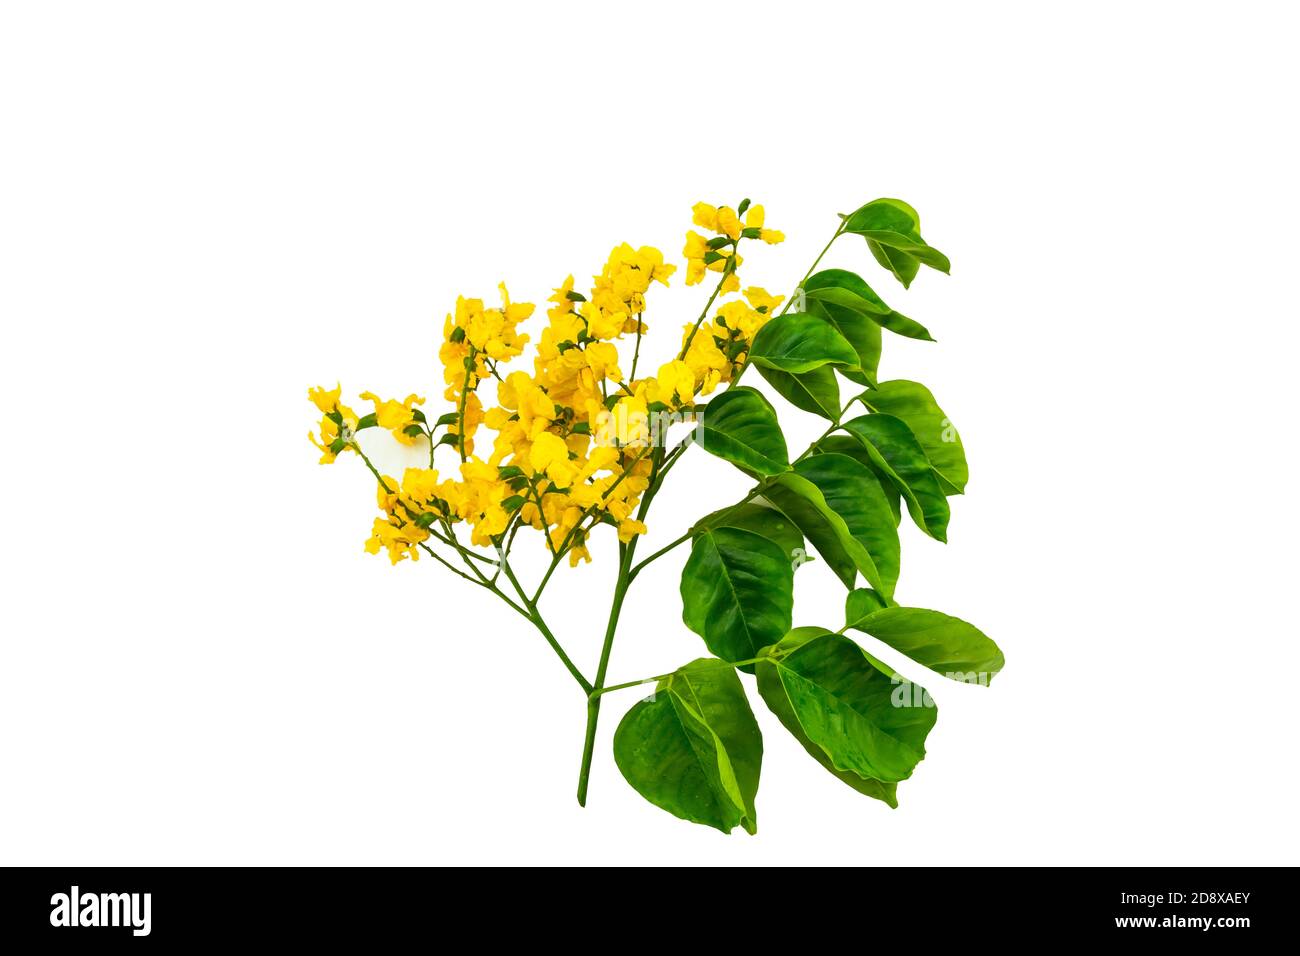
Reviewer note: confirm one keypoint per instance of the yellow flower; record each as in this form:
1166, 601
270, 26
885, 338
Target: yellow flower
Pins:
474, 416
326, 401
705, 216
754, 218
602, 324
338, 426
738, 316
729, 222
401, 539
722, 220
676, 383
550, 455
760, 300
697, 247
707, 362
563, 304
629, 528
419, 485
627, 423
602, 359
386, 495
396, 416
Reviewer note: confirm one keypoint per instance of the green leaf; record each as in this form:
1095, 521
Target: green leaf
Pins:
761, 519
694, 748
366, 421
903, 266
892, 229
861, 603
737, 592
849, 292
867, 720
896, 453
945, 644
859, 331
815, 391
798, 342
779, 704
812, 495
448, 419
853, 492
845, 445
915, 406
740, 426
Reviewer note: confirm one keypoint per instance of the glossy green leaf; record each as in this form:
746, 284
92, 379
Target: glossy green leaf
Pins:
740, 426
737, 591
867, 720
846, 445
859, 604
761, 519
694, 748
779, 703
815, 391
892, 229
847, 291
915, 406
813, 496
859, 331
945, 644
853, 492
798, 342
898, 455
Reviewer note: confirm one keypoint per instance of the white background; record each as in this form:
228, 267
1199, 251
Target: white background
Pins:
209, 207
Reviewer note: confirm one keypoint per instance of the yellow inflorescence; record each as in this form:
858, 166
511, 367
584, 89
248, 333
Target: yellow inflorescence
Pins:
572, 447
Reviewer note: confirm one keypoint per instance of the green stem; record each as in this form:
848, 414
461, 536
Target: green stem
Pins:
825, 249
568, 538
529, 609
658, 554
626, 553
460, 412
790, 299
537, 498
535, 616
636, 353
703, 315
593, 697
597, 692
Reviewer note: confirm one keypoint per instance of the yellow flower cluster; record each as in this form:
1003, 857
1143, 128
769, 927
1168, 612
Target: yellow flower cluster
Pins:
718, 254
337, 426
573, 441
716, 352
401, 418
475, 340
